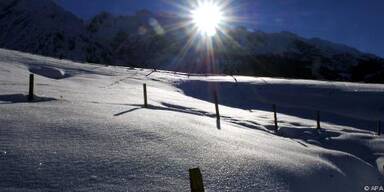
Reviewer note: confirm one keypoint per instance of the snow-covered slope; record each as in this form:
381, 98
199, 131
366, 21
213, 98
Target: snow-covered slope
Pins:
87, 131
42, 27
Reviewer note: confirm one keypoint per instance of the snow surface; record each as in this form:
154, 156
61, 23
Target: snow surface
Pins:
87, 131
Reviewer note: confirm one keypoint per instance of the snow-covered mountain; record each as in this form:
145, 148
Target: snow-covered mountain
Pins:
152, 40
144, 39
282, 54
106, 26
288, 55
43, 27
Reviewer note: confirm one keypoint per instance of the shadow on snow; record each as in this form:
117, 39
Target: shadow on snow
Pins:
20, 98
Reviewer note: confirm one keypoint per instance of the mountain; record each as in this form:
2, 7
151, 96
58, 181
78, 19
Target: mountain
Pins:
139, 40
286, 54
149, 40
43, 27
153, 40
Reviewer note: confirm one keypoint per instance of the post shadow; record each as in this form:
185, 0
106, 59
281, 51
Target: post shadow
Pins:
21, 98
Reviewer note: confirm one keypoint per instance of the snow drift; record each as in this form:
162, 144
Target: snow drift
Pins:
94, 134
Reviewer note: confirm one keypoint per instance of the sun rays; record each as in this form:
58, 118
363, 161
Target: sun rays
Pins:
207, 17
206, 23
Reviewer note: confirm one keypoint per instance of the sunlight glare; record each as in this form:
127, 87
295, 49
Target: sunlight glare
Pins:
207, 18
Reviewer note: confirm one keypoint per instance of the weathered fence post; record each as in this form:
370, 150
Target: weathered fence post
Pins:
196, 180
275, 117
318, 120
31, 87
145, 95
379, 128
216, 100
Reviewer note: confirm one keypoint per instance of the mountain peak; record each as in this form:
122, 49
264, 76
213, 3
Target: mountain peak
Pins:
52, 32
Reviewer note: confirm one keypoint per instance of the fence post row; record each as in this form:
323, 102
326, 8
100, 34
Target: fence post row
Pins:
145, 95
31, 87
196, 180
216, 100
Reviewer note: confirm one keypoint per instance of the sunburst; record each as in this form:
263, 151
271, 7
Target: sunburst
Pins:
207, 23
207, 17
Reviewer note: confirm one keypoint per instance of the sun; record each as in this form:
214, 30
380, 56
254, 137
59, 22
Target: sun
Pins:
207, 17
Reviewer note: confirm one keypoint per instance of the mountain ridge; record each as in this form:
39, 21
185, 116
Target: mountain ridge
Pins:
52, 32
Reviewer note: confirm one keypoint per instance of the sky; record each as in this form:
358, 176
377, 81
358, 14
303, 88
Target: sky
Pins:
357, 23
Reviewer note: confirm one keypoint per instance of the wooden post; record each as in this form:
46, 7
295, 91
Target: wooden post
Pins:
318, 120
145, 95
31, 87
379, 128
275, 117
216, 100
196, 180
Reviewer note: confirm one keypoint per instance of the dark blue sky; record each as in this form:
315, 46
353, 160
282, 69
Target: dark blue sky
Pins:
358, 23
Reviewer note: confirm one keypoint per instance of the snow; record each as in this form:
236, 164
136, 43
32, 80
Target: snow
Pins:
89, 131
